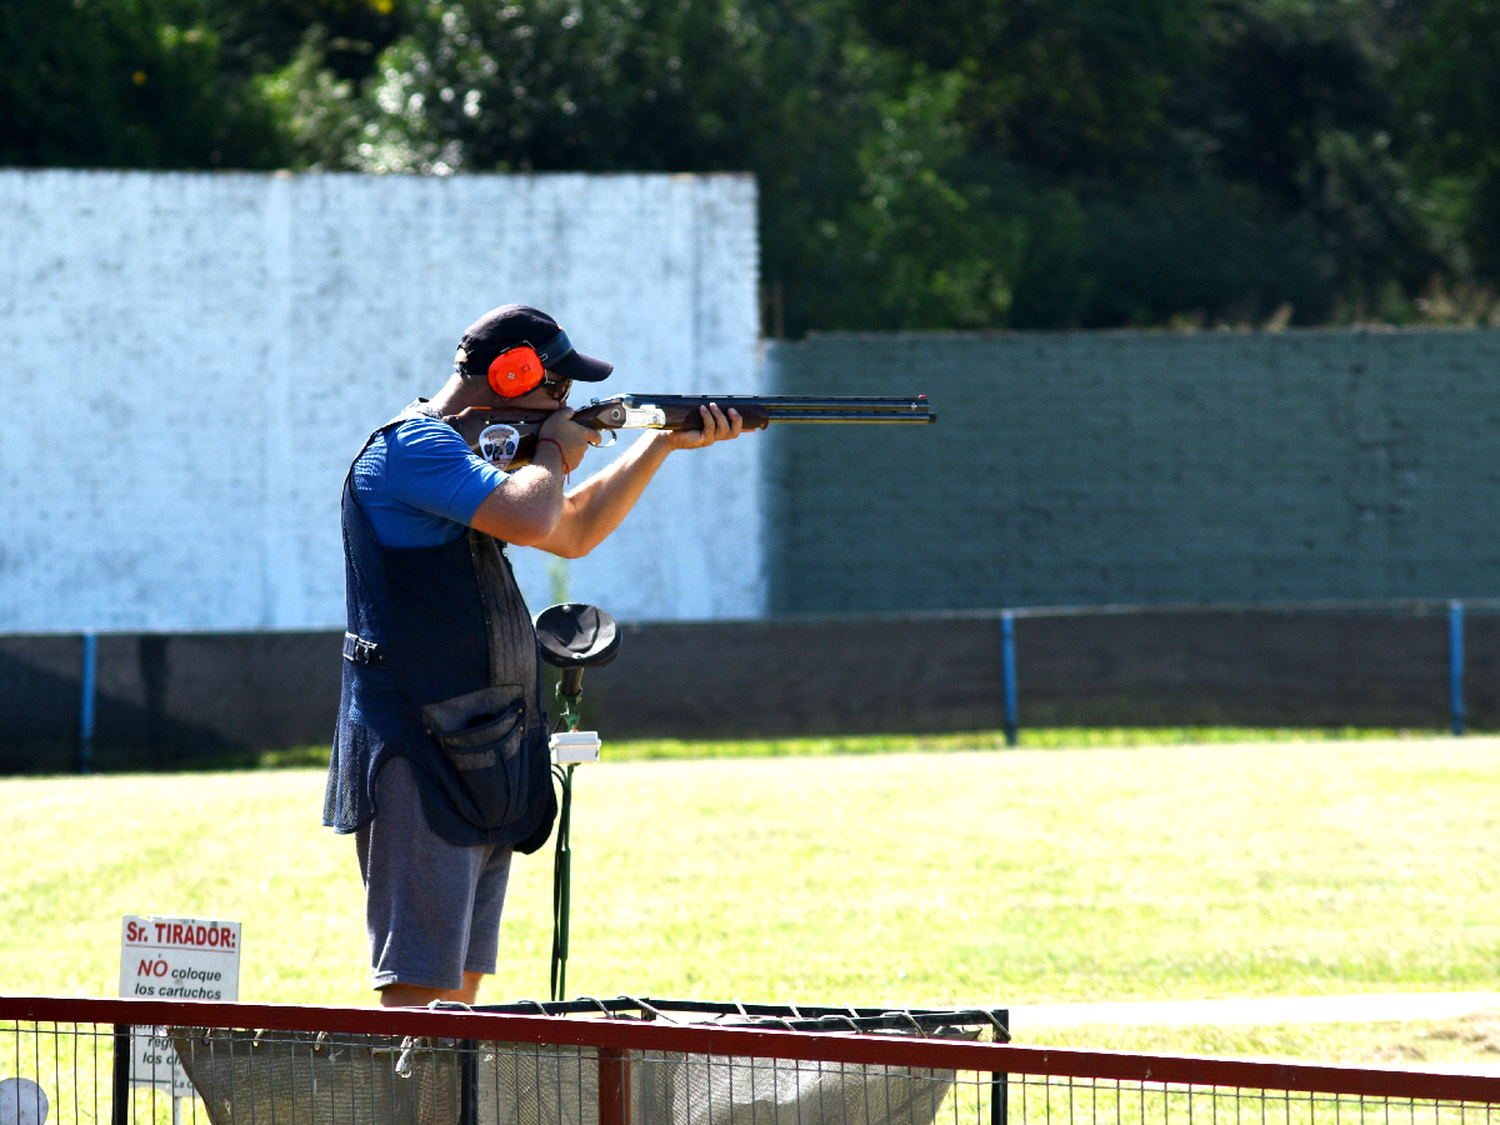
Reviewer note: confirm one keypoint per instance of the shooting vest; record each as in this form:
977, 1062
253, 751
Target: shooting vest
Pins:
441, 667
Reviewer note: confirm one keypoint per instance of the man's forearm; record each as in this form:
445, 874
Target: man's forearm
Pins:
525, 508
595, 508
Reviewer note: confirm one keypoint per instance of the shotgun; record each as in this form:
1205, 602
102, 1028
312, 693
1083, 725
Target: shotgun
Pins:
506, 437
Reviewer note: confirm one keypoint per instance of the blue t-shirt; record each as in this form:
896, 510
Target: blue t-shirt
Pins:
420, 485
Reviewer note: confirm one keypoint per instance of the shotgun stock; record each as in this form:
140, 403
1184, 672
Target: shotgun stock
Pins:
506, 437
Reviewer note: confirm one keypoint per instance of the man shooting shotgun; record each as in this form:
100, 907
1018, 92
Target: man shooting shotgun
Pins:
440, 766
507, 437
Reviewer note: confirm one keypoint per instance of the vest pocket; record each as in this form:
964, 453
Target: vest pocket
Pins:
481, 734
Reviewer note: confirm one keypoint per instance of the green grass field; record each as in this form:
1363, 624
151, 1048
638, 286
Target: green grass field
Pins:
943, 877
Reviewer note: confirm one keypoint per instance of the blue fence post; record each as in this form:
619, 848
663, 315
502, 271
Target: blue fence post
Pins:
1456, 664
86, 703
1008, 671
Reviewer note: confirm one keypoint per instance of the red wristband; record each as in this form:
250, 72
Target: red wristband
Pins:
560, 455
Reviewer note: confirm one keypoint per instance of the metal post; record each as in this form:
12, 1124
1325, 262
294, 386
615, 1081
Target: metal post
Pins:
999, 1098
86, 703
468, 1077
120, 1110
562, 882
1456, 665
1000, 1080
614, 1086
1008, 671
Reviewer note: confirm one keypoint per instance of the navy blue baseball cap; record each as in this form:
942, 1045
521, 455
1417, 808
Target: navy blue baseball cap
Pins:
510, 326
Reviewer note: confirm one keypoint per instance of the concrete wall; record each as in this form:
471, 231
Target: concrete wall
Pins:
165, 701
190, 361
1152, 468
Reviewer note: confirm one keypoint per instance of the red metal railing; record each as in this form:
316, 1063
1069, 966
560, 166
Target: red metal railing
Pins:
615, 1041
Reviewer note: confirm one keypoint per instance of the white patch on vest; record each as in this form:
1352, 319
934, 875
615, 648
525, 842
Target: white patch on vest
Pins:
498, 444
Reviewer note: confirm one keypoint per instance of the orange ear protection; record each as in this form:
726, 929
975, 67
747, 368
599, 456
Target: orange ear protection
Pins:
515, 371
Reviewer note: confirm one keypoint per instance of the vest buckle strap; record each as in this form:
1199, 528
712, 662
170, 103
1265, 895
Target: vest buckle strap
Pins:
359, 651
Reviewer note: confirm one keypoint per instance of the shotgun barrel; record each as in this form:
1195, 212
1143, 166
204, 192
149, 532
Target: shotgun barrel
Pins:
506, 436
679, 412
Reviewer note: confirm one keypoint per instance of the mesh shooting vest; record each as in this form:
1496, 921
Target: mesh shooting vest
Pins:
441, 667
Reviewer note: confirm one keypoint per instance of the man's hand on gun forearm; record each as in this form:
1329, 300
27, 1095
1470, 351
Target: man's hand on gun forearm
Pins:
717, 426
595, 508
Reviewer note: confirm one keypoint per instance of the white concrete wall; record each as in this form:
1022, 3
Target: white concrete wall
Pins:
190, 361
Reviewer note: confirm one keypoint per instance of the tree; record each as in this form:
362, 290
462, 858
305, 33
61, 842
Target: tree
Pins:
1073, 87
122, 83
943, 164
1451, 81
793, 92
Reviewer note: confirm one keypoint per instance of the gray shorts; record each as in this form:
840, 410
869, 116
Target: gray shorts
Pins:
432, 909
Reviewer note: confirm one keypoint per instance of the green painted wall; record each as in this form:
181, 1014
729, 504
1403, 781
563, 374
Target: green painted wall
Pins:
1152, 468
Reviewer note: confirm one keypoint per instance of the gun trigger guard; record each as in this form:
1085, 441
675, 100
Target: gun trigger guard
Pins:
607, 438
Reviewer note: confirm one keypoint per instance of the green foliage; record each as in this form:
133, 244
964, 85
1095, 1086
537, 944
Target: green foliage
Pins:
312, 108
262, 35
122, 83
937, 165
1451, 71
1073, 87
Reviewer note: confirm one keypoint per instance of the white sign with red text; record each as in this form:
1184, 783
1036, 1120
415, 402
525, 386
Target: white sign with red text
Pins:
174, 959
